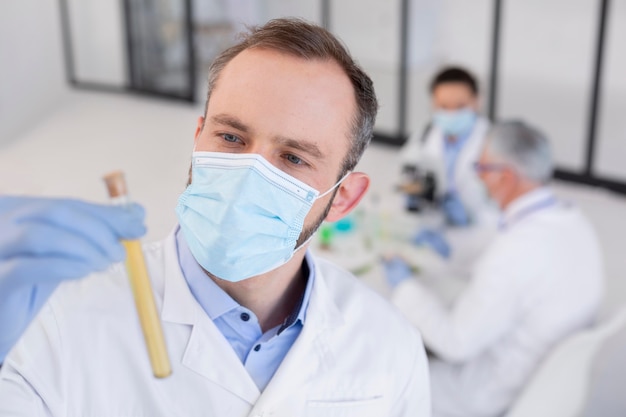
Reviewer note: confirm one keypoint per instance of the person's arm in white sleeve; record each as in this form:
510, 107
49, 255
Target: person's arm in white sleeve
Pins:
31, 379
480, 315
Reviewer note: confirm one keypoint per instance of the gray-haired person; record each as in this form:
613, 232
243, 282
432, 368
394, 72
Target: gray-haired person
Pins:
540, 280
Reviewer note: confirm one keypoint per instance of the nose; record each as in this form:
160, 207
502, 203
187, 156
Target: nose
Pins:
260, 149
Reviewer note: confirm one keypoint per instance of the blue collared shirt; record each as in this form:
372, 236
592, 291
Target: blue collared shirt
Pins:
261, 353
452, 150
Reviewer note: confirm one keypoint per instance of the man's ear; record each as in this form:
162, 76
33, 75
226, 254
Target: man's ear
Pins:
476, 104
350, 192
198, 131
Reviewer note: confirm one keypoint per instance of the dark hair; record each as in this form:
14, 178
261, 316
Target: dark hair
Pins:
454, 75
304, 40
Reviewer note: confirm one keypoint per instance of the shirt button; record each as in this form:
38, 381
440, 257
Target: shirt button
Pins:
257, 348
245, 316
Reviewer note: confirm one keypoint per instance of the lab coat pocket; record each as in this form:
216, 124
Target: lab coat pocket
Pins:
371, 406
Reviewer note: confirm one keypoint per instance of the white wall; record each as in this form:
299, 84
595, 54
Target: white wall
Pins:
442, 33
547, 58
370, 29
98, 41
546, 70
310, 10
32, 73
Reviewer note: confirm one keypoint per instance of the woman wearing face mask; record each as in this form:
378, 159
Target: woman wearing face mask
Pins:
441, 159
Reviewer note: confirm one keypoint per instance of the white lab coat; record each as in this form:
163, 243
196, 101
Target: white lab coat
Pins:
85, 355
428, 154
540, 280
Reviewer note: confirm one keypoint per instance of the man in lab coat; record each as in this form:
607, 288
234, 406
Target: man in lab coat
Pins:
540, 280
442, 159
255, 325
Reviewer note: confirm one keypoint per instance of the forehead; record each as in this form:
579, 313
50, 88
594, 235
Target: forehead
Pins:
452, 90
286, 95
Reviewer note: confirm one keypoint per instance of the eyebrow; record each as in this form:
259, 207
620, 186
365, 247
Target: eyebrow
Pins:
231, 121
302, 144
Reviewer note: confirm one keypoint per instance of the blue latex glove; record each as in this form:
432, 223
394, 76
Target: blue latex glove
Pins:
44, 241
434, 240
396, 271
454, 210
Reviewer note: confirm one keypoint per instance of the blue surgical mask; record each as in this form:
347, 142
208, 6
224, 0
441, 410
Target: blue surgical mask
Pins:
241, 216
456, 122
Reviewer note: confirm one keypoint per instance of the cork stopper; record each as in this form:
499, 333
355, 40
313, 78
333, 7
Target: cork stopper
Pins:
116, 184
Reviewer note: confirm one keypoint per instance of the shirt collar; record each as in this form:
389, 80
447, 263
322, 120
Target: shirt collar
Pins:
216, 302
525, 203
211, 297
458, 142
299, 312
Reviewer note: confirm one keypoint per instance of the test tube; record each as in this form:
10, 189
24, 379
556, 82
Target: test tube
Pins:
140, 285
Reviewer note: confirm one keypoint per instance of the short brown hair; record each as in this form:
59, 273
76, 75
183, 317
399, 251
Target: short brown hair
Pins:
304, 40
454, 75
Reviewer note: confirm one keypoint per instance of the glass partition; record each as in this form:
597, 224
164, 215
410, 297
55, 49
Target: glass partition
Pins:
611, 133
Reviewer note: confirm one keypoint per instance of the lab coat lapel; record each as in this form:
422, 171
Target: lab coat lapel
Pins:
433, 157
470, 152
207, 353
311, 353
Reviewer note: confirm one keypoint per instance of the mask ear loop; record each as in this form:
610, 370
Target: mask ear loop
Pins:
318, 197
334, 186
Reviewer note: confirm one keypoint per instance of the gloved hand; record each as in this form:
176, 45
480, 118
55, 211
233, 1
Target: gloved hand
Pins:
396, 271
44, 241
454, 210
434, 240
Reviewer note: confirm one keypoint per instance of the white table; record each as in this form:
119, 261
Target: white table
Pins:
378, 234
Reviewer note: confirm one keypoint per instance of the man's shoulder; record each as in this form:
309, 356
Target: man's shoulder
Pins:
561, 222
369, 309
346, 288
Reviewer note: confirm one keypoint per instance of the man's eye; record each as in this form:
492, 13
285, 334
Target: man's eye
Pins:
230, 138
294, 159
